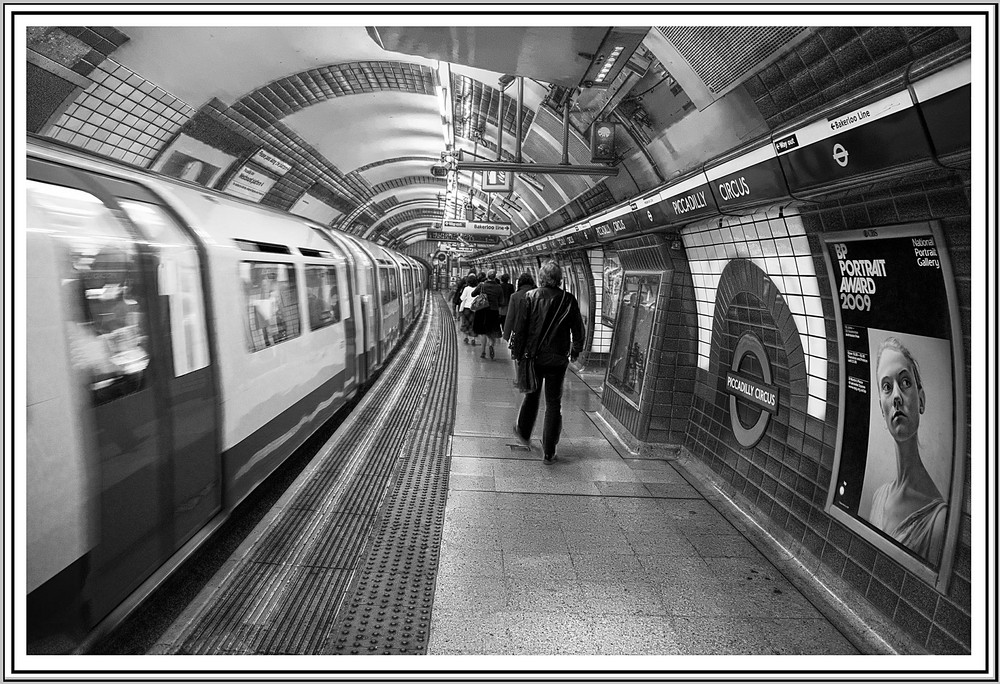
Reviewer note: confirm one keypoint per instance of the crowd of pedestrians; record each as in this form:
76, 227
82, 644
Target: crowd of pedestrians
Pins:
545, 331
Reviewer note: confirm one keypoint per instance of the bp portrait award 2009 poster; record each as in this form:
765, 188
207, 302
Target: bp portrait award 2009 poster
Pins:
895, 470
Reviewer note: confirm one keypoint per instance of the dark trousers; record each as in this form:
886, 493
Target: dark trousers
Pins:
550, 379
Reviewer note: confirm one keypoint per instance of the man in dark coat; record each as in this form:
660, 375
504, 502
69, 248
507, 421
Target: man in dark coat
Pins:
508, 290
525, 282
545, 321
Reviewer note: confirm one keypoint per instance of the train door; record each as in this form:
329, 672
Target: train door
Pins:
408, 303
369, 303
388, 283
354, 319
138, 337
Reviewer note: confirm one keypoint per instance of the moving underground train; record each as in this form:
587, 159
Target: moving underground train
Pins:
181, 344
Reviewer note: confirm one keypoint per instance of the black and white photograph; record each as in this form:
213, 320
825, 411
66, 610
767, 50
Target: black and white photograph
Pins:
443, 342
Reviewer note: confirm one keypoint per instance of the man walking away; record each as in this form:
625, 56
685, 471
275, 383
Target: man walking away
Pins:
525, 283
508, 290
546, 320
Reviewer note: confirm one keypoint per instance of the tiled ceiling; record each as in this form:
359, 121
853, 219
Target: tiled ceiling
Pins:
360, 126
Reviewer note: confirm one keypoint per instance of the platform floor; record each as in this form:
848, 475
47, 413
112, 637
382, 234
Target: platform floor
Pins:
597, 553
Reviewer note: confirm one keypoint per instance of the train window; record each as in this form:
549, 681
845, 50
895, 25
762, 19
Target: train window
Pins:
179, 280
322, 295
103, 293
393, 285
272, 303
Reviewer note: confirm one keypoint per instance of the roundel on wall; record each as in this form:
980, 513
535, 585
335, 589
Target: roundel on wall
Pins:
764, 395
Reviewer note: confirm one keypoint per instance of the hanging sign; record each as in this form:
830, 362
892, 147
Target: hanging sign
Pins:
498, 181
476, 227
897, 476
466, 237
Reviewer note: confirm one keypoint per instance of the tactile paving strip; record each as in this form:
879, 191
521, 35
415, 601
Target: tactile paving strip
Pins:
387, 474
389, 606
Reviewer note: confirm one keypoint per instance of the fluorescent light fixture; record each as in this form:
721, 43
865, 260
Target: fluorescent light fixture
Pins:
608, 64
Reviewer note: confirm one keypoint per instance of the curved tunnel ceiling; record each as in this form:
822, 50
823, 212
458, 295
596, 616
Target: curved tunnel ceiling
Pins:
366, 121
356, 116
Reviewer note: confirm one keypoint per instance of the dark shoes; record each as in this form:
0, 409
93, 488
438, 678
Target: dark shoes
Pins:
483, 355
520, 438
550, 458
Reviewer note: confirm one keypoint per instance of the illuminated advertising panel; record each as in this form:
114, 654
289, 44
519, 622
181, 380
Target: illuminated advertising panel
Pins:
613, 276
897, 476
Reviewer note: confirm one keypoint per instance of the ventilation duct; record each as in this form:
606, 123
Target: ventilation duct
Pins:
710, 61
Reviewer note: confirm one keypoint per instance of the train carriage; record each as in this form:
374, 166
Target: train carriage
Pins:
181, 345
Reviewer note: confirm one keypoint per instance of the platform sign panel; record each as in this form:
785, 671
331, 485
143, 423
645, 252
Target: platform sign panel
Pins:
249, 183
270, 162
752, 179
876, 137
649, 213
476, 228
897, 477
689, 200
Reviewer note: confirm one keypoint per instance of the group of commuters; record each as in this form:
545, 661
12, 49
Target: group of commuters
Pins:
486, 321
543, 326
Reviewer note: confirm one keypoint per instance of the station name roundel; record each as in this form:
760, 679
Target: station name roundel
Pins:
763, 395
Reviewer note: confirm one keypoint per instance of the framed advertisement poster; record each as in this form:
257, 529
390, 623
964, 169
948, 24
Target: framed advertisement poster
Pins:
633, 336
898, 470
613, 276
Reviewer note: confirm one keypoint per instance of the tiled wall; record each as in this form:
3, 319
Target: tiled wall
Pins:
668, 389
838, 59
121, 115
778, 246
787, 475
600, 344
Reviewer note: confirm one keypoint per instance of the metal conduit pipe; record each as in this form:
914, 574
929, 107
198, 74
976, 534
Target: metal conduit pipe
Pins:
517, 119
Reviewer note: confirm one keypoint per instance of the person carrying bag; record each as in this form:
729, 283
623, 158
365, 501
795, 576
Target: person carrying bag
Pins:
541, 343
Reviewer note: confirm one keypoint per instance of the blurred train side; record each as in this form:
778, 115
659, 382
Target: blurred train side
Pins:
180, 345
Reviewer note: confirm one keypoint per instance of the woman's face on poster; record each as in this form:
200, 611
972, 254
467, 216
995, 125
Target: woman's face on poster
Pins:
901, 400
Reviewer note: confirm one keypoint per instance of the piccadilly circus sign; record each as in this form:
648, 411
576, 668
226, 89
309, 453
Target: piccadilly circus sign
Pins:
763, 395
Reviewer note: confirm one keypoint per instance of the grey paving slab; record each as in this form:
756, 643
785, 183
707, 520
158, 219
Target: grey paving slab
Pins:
532, 566
473, 565
721, 635
599, 553
477, 482
635, 635
624, 596
481, 593
470, 465
467, 632
595, 565
550, 633
809, 636
722, 545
